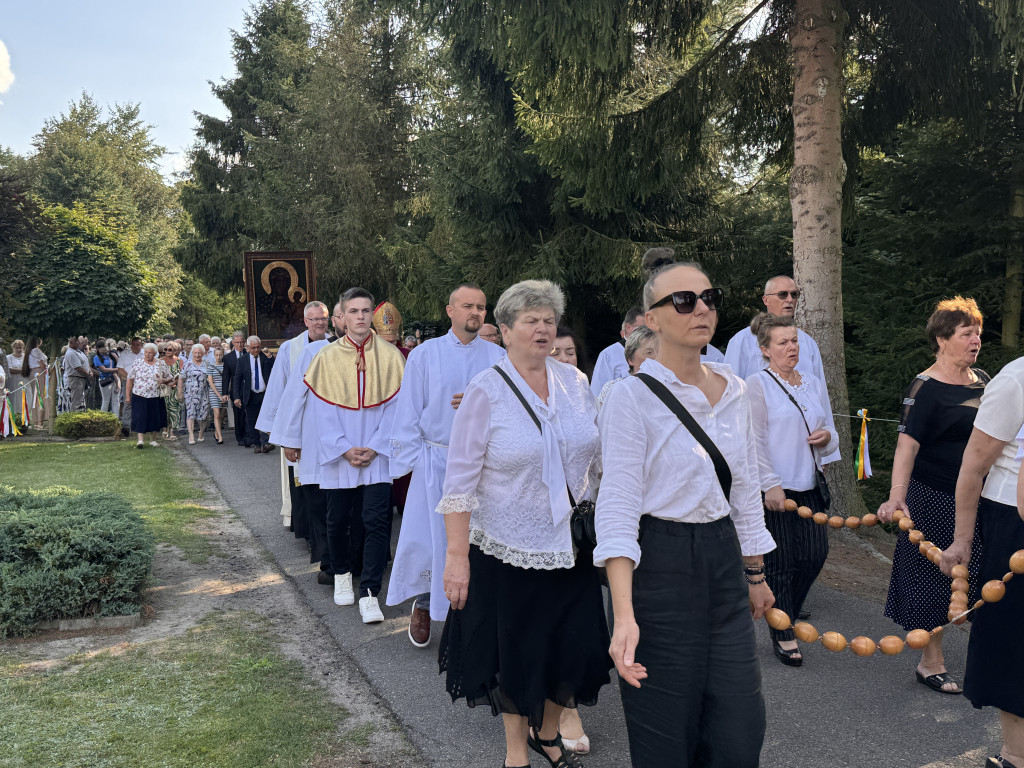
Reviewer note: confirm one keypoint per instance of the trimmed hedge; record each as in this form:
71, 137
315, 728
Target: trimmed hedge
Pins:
65, 554
79, 424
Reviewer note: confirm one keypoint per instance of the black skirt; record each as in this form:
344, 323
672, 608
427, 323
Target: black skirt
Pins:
149, 414
995, 654
526, 636
918, 591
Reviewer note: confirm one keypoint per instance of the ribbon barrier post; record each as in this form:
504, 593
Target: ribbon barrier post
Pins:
863, 461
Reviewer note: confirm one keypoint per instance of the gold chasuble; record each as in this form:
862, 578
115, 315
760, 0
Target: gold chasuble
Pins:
355, 376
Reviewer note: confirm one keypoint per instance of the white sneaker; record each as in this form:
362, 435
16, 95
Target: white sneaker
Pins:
369, 609
343, 594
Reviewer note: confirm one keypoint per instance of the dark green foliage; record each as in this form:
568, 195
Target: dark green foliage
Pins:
83, 273
79, 424
66, 554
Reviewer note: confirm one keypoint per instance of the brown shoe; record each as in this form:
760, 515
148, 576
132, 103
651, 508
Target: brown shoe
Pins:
267, 448
257, 449
419, 626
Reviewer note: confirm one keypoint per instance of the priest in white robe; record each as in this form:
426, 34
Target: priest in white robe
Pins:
436, 374
315, 316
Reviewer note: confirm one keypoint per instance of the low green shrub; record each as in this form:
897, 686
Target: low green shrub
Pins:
79, 424
67, 554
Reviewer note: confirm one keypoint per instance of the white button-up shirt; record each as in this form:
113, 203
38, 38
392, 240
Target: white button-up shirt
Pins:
654, 466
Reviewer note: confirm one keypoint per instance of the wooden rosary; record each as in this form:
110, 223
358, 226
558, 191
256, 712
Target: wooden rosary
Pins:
891, 645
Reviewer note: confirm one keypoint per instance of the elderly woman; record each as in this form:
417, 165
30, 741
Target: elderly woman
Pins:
147, 373
15, 365
989, 496
215, 378
565, 347
938, 416
171, 391
197, 392
680, 529
793, 430
641, 344
526, 633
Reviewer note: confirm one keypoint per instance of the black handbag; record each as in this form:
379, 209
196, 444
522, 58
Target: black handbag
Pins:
582, 523
721, 465
819, 476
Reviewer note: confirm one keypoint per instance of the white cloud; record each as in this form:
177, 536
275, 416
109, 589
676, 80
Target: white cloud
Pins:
6, 76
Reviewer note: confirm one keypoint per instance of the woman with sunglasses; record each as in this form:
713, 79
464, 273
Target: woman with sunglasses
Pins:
680, 529
793, 430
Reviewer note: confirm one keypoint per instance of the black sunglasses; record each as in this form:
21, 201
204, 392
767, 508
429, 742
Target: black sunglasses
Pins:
686, 301
784, 295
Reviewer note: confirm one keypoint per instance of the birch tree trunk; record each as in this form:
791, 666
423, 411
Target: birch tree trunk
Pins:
815, 191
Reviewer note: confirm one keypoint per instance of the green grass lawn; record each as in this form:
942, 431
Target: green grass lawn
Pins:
149, 479
221, 696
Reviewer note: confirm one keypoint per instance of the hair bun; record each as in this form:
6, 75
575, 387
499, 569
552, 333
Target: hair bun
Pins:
655, 258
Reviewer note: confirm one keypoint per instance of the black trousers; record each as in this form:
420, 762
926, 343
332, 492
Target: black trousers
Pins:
252, 412
801, 548
314, 500
701, 704
343, 511
300, 518
239, 414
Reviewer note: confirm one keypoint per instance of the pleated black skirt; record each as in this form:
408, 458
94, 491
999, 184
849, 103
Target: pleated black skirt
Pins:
995, 655
701, 704
149, 414
526, 636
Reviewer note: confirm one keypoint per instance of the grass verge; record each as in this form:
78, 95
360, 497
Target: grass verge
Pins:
221, 696
149, 479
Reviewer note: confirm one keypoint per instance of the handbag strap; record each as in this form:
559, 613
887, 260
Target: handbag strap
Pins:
792, 399
721, 465
529, 410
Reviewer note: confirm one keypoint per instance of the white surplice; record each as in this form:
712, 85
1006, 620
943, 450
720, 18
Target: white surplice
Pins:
744, 356
295, 424
422, 425
287, 357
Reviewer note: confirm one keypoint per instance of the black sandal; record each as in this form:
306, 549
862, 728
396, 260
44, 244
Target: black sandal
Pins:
998, 762
935, 682
791, 658
568, 758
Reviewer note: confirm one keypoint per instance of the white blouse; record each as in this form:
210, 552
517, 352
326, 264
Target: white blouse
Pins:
783, 454
654, 466
510, 476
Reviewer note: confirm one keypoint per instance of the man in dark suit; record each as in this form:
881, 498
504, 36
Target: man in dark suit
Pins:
228, 383
252, 372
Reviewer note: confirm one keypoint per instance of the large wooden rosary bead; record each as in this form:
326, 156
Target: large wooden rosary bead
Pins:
790, 505
777, 619
898, 515
993, 591
956, 614
916, 536
869, 519
891, 645
906, 524
960, 571
863, 646
836, 521
959, 585
1017, 561
833, 641
853, 522
924, 546
918, 638
805, 633
805, 512
820, 518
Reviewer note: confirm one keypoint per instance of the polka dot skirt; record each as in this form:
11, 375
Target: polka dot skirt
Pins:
918, 591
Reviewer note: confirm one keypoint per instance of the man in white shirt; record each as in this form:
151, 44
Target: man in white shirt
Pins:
744, 356
315, 316
350, 387
125, 360
77, 372
436, 374
611, 363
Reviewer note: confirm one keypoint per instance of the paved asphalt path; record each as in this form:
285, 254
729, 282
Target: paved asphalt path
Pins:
837, 711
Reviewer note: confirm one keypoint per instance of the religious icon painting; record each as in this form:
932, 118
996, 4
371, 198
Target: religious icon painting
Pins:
278, 285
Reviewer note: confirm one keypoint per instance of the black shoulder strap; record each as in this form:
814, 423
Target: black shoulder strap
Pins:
529, 410
721, 466
791, 399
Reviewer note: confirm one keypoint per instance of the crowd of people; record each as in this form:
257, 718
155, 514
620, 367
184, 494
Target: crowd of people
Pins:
669, 469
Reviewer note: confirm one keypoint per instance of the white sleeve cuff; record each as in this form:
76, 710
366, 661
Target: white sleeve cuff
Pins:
605, 550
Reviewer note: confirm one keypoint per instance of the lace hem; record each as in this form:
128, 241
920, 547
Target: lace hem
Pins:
458, 502
544, 561
394, 448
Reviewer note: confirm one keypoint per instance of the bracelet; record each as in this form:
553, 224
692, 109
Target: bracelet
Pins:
755, 581
901, 485
753, 570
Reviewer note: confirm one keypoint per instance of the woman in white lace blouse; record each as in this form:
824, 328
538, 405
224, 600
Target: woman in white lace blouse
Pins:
526, 633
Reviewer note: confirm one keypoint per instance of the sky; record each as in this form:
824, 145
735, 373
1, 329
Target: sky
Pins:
159, 54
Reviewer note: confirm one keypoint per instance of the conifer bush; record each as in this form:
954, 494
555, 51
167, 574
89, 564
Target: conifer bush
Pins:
79, 424
65, 554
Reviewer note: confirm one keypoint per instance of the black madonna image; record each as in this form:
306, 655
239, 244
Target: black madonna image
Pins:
278, 285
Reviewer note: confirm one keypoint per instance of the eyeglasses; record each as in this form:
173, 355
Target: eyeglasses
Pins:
686, 301
784, 295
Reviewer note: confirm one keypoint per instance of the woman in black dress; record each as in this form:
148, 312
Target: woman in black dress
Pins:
938, 416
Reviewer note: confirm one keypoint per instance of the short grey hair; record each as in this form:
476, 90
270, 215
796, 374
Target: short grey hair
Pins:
649, 297
637, 339
204, 336
200, 347
215, 338
770, 283
529, 294
315, 305
237, 335
252, 340
152, 346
